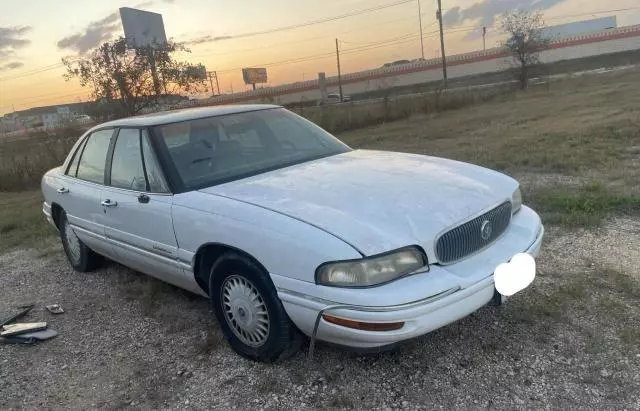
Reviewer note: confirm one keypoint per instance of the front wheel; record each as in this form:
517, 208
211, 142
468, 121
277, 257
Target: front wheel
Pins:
81, 257
249, 311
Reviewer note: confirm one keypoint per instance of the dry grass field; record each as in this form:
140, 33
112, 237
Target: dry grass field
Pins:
571, 340
574, 146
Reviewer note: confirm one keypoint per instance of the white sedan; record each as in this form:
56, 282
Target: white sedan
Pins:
286, 229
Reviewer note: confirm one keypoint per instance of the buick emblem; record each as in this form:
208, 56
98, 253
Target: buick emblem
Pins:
486, 230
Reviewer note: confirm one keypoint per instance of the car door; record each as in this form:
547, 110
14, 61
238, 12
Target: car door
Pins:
79, 190
137, 208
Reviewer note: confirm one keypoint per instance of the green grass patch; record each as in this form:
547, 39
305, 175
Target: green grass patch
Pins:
586, 206
606, 293
22, 223
567, 152
630, 335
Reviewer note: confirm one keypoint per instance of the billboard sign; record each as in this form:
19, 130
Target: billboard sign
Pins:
254, 75
197, 71
142, 28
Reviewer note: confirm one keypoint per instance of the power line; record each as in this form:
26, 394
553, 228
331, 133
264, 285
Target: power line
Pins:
54, 94
370, 46
328, 19
308, 39
364, 48
384, 41
36, 102
250, 34
34, 71
318, 21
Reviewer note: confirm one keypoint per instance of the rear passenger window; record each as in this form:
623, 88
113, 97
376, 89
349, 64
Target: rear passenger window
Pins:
94, 156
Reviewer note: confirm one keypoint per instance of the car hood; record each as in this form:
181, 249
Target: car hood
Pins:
376, 201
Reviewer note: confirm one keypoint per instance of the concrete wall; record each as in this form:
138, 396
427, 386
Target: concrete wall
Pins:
479, 62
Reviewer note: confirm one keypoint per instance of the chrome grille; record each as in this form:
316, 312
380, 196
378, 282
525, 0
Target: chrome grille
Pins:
467, 238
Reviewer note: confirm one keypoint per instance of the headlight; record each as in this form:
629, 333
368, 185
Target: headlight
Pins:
373, 270
516, 201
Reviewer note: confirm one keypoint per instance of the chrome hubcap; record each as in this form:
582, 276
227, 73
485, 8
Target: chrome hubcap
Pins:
245, 311
73, 242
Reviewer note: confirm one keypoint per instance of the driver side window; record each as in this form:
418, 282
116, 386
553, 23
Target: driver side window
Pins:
126, 168
134, 165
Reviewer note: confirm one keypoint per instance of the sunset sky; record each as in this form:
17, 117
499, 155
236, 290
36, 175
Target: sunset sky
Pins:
36, 34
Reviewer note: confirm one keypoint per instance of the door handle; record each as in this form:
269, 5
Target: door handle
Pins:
62, 190
109, 203
143, 198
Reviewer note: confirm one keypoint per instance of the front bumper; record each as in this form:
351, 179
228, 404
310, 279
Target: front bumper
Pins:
46, 210
419, 317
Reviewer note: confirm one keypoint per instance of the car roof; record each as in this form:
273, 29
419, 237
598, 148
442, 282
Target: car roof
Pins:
174, 116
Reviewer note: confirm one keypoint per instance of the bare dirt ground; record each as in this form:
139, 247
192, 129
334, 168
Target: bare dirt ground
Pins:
570, 341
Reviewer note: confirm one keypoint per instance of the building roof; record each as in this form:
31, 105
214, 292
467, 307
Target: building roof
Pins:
175, 116
33, 111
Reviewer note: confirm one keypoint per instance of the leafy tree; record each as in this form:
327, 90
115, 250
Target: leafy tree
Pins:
526, 40
118, 73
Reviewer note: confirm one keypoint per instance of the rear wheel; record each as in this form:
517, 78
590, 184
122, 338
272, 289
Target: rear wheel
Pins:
81, 257
249, 311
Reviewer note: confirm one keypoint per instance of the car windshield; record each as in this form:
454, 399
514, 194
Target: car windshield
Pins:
215, 150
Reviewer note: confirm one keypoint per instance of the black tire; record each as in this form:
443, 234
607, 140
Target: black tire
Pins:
86, 259
282, 339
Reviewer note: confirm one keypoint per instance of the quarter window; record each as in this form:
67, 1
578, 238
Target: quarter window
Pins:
73, 167
126, 168
94, 156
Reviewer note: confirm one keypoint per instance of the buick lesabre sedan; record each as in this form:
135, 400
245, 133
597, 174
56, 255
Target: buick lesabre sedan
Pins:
287, 230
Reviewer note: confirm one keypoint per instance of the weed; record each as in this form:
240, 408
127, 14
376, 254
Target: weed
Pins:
586, 206
22, 222
209, 343
266, 385
630, 335
8, 227
24, 160
596, 343
341, 401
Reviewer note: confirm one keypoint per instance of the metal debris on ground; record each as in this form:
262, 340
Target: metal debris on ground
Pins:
55, 309
29, 338
25, 333
11, 316
10, 330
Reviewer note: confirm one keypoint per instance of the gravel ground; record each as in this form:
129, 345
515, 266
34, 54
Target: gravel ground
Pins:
128, 341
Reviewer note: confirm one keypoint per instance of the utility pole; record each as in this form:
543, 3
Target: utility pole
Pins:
444, 55
213, 75
154, 72
484, 38
339, 75
420, 21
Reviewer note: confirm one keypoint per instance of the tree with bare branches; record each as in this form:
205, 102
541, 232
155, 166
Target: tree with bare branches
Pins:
119, 74
526, 40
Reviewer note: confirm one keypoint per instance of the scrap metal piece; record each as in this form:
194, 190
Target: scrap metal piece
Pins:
9, 330
29, 338
9, 317
55, 309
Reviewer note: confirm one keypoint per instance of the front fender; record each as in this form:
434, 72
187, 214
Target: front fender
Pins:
284, 246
